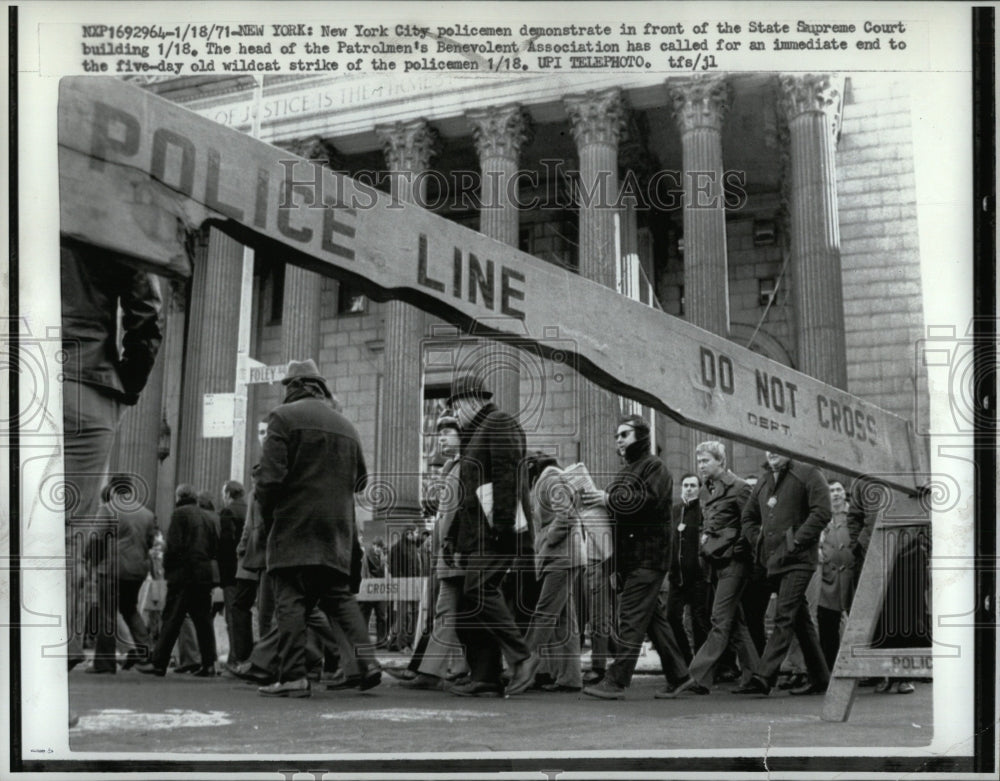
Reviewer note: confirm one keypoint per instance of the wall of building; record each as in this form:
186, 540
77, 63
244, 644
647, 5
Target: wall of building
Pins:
880, 253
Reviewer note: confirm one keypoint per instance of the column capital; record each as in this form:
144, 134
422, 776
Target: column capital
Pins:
409, 146
316, 149
500, 131
812, 92
700, 101
596, 117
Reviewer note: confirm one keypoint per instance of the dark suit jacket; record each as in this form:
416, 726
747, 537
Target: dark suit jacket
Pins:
785, 516
192, 545
721, 508
685, 559
231, 519
493, 447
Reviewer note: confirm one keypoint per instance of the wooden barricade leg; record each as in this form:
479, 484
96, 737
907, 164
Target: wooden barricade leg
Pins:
856, 657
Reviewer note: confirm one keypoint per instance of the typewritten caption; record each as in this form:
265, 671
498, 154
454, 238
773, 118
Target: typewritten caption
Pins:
309, 47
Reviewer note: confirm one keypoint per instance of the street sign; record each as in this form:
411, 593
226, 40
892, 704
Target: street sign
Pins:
137, 173
260, 374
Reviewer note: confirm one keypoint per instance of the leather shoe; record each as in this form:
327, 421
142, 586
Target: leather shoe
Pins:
727, 676
524, 674
476, 689
689, 685
810, 688
342, 682
371, 679
150, 669
560, 687
605, 690
424, 682
401, 673
794, 681
247, 672
298, 689
755, 685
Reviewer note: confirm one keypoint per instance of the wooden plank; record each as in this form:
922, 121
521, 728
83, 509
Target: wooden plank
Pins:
856, 658
138, 174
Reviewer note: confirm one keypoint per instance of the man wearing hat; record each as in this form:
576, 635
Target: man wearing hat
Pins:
482, 540
310, 468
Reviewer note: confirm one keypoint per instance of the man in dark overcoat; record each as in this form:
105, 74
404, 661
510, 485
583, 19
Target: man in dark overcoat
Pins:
638, 499
136, 534
687, 578
782, 522
310, 468
192, 545
483, 540
232, 517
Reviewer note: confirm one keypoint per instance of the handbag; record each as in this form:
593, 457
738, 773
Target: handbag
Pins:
152, 595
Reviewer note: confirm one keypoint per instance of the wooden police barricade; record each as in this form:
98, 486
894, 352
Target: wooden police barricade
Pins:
386, 589
859, 655
138, 176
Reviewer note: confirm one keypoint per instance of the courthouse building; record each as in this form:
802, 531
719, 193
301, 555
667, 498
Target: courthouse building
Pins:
803, 247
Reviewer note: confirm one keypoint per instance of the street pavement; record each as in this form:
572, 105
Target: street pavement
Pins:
180, 714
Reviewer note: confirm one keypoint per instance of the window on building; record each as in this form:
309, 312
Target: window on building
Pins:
350, 300
554, 240
276, 283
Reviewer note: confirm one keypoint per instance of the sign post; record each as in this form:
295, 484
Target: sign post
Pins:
239, 445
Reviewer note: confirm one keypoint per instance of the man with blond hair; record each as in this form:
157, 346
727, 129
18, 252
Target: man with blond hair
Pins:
722, 497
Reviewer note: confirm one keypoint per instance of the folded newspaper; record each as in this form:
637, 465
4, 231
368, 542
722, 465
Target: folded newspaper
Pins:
484, 494
578, 477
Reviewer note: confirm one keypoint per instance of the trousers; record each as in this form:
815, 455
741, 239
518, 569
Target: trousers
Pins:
485, 624
297, 590
641, 612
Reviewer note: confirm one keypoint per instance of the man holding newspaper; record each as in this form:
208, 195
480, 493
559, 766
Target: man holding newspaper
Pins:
482, 540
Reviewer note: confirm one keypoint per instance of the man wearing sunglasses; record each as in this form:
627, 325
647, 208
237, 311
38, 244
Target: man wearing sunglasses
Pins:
639, 500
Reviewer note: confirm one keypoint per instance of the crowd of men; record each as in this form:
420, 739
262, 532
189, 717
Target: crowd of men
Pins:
524, 558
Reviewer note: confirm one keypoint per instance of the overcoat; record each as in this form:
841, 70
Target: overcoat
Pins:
310, 468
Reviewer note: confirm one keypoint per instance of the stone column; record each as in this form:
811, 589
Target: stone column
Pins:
500, 132
597, 120
811, 104
409, 147
210, 358
700, 104
302, 300
171, 396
